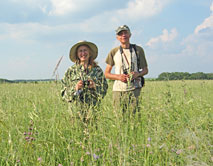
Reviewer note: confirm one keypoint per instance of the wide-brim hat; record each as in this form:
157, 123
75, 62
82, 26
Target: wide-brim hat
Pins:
92, 46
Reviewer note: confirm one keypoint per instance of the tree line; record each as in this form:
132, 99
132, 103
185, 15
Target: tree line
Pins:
162, 76
185, 76
25, 81
5, 81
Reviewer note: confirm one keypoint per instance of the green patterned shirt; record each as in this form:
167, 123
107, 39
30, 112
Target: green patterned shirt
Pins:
88, 96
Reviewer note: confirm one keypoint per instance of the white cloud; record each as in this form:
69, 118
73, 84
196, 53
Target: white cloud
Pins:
32, 4
24, 1
35, 32
104, 21
164, 37
142, 8
63, 7
211, 7
56, 7
135, 8
24, 31
199, 45
207, 23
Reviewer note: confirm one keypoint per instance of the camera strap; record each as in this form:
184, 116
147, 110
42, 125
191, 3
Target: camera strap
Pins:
132, 46
123, 55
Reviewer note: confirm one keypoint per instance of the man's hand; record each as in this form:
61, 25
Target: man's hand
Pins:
135, 75
139, 74
123, 77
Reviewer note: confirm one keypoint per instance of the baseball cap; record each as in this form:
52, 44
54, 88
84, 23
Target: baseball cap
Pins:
122, 28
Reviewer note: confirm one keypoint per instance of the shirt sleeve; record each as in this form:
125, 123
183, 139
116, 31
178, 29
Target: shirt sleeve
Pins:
68, 86
109, 59
142, 58
101, 82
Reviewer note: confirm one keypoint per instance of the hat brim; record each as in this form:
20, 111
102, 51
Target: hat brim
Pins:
92, 46
122, 30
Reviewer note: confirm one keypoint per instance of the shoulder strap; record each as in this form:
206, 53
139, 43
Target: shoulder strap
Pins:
138, 63
121, 50
138, 60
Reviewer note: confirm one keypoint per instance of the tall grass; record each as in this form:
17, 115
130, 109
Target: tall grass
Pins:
174, 127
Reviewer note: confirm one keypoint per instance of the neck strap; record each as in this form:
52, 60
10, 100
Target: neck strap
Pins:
123, 55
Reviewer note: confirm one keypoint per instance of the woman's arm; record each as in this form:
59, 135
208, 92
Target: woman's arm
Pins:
100, 82
69, 85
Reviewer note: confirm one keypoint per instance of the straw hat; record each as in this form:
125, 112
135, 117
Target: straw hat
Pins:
92, 46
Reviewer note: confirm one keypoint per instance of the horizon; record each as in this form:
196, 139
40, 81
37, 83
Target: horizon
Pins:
107, 79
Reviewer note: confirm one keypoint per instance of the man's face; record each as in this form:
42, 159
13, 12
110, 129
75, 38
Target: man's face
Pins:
124, 36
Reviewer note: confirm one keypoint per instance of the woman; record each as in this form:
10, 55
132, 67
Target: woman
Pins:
84, 84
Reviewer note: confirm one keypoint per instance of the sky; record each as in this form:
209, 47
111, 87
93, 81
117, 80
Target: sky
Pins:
176, 35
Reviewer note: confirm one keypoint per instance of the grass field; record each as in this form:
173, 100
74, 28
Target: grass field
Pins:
174, 127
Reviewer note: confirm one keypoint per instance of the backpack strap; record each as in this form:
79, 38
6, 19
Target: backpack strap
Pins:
138, 62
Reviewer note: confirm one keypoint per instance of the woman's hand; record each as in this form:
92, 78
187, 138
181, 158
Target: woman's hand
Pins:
79, 85
91, 84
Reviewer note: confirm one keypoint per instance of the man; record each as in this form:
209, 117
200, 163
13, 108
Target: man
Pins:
130, 65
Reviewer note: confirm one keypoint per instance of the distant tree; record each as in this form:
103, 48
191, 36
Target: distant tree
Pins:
209, 76
198, 76
185, 76
5, 80
164, 76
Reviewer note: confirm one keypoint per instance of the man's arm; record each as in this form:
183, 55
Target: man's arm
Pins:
141, 73
109, 75
144, 71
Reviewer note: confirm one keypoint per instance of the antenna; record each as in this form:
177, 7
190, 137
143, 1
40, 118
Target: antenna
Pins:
55, 72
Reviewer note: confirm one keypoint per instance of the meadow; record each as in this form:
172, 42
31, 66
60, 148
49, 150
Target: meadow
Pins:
173, 128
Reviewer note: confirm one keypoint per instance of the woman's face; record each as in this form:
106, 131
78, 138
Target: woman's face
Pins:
83, 54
